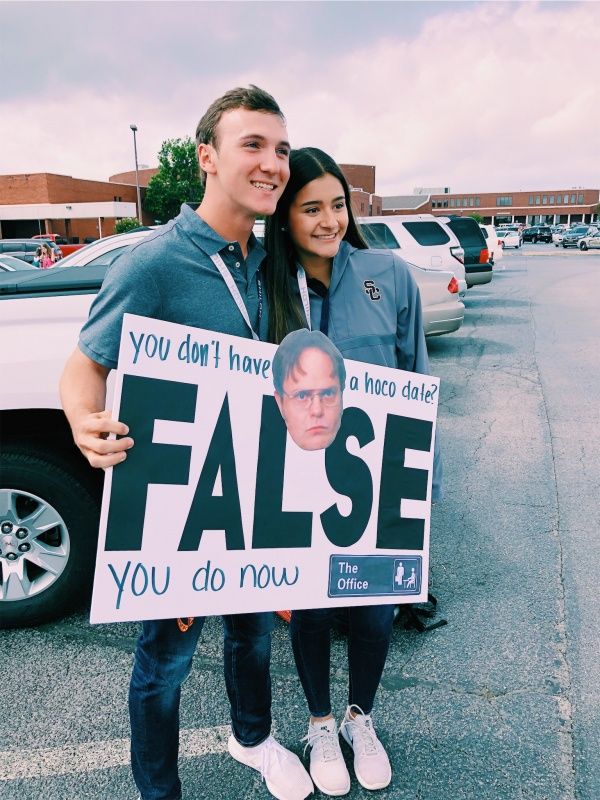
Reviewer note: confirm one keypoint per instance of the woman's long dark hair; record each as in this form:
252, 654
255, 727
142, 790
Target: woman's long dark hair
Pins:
285, 311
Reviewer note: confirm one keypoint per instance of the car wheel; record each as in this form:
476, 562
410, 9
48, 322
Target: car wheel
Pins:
534, 240
583, 246
49, 516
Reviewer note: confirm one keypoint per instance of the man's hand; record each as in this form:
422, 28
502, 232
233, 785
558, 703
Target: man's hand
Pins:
91, 433
83, 394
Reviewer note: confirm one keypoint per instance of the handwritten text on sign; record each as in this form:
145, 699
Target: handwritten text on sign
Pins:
216, 510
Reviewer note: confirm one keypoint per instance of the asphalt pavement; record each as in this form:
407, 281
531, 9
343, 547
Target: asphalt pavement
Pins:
502, 702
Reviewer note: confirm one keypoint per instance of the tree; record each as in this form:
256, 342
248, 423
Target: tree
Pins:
126, 224
177, 180
477, 217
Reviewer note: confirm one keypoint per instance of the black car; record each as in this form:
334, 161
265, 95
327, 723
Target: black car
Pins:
477, 256
538, 233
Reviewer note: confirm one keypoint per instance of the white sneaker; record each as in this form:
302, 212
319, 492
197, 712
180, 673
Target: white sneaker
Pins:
281, 770
371, 763
327, 767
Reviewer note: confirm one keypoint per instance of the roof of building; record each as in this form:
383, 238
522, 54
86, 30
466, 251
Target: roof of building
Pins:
404, 201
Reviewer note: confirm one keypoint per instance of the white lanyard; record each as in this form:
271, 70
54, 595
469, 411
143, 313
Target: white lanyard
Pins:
235, 293
303, 286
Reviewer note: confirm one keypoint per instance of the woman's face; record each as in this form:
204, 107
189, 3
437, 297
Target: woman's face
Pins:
318, 218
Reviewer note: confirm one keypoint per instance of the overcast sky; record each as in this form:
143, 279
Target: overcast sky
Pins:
477, 96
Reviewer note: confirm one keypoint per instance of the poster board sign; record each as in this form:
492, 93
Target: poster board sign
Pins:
218, 510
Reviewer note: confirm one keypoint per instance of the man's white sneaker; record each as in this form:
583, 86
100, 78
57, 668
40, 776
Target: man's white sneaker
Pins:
281, 770
327, 766
371, 764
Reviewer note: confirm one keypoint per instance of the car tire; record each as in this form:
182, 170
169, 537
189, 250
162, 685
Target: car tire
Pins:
534, 240
40, 485
583, 246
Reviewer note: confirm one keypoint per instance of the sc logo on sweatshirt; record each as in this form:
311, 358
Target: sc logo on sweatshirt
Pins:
372, 290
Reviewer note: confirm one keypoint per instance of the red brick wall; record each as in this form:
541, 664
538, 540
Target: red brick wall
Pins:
129, 177
360, 176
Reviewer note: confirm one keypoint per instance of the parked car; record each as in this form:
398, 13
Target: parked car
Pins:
420, 239
27, 247
443, 311
493, 241
557, 236
9, 263
103, 252
509, 238
66, 247
592, 240
573, 236
476, 255
537, 233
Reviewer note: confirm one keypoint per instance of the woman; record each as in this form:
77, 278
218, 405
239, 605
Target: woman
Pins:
46, 257
320, 275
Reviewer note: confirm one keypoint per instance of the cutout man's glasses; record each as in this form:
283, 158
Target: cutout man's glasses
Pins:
304, 397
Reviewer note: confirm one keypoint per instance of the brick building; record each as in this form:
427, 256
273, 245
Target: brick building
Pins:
361, 177
529, 207
75, 208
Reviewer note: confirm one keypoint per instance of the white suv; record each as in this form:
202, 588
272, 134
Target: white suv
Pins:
419, 238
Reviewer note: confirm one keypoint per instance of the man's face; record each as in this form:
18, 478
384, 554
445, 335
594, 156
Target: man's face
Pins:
248, 167
311, 404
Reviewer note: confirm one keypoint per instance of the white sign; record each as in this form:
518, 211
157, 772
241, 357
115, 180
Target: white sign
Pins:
220, 509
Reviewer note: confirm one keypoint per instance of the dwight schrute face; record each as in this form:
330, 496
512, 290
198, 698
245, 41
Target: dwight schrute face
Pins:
247, 167
311, 404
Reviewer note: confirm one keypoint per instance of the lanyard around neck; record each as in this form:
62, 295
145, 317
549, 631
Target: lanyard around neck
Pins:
235, 293
303, 287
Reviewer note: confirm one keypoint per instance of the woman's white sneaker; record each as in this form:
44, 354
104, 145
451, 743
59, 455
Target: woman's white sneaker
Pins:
327, 766
371, 763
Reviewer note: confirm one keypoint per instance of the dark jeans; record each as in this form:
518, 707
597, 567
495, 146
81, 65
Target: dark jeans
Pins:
163, 660
369, 633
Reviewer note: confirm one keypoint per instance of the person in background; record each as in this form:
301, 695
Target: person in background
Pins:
320, 275
46, 257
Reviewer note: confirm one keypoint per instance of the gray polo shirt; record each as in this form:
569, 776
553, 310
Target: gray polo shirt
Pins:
169, 275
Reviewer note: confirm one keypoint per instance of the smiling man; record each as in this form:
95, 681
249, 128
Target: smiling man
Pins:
200, 269
309, 378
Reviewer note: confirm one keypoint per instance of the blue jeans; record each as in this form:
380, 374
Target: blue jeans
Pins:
163, 660
369, 634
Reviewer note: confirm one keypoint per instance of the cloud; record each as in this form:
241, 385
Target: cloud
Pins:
479, 96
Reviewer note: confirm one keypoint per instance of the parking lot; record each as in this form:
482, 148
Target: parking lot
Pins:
501, 702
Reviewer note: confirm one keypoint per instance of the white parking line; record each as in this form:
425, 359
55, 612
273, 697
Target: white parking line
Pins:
88, 756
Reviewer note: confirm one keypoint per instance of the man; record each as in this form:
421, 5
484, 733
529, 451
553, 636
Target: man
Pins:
200, 269
309, 377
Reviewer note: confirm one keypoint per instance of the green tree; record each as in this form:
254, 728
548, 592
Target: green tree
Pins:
177, 180
126, 224
478, 218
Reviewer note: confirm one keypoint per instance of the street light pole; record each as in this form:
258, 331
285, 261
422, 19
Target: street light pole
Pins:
133, 127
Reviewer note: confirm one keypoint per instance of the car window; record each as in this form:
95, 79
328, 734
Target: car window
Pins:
106, 259
467, 231
378, 234
428, 233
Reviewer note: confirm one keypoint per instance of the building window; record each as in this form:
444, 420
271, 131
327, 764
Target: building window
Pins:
572, 198
465, 202
580, 199
559, 199
478, 201
451, 202
530, 199
537, 199
551, 199
504, 201
445, 204
471, 202
545, 200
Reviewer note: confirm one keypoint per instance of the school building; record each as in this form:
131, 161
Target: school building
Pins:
534, 207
